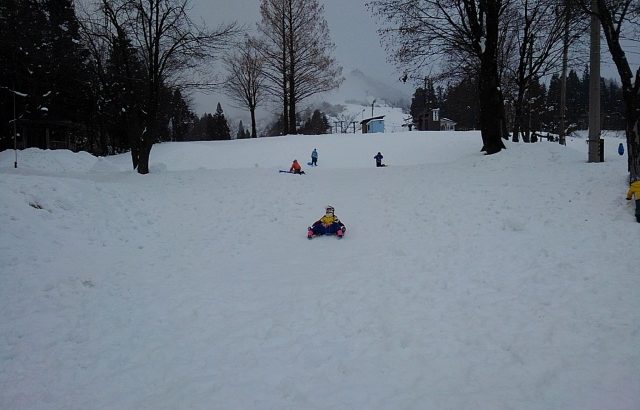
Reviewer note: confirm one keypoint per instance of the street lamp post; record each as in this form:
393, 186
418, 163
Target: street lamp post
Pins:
425, 95
594, 88
15, 130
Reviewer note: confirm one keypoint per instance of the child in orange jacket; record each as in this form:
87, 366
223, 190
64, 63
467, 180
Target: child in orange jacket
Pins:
296, 168
634, 190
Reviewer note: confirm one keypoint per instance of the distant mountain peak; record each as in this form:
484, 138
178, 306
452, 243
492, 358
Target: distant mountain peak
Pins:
358, 87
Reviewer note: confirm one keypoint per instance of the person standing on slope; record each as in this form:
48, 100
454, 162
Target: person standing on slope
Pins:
314, 158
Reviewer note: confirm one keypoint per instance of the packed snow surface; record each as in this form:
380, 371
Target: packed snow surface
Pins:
464, 281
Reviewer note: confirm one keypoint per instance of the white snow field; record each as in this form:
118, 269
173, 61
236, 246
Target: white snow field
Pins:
464, 281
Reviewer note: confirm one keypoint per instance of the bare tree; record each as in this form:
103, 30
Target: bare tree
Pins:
346, 120
620, 20
421, 33
537, 28
273, 49
169, 44
98, 46
297, 50
246, 78
537, 32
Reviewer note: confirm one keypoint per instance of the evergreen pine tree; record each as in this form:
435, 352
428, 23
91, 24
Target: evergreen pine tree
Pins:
124, 95
210, 126
276, 127
241, 133
199, 130
68, 77
461, 104
552, 117
575, 108
220, 127
23, 62
537, 104
182, 118
422, 102
42, 59
418, 108
582, 99
317, 124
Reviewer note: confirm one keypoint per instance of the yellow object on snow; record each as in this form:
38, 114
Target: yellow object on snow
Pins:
634, 189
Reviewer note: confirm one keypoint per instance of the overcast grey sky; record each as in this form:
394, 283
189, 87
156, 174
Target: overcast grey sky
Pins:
352, 29
351, 25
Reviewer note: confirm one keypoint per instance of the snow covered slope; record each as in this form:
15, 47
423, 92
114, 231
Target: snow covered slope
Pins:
464, 281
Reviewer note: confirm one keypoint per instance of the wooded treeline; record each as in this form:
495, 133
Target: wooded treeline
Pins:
113, 79
459, 102
507, 46
90, 84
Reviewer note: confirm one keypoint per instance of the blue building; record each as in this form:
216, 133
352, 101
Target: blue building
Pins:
373, 124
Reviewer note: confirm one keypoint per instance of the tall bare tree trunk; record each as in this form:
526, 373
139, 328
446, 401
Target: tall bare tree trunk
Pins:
633, 146
168, 43
293, 129
292, 72
285, 77
145, 152
518, 122
285, 108
491, 102
254, 133
296, 46
630, 86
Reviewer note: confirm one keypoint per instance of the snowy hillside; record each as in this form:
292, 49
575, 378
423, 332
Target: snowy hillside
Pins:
359, 88
343, 117
463, 282
353, 100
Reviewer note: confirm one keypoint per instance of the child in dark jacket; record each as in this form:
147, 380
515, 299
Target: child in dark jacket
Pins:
378, 159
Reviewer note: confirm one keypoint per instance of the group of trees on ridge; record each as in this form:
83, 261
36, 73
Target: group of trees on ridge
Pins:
459, 102
114, 79
508, 45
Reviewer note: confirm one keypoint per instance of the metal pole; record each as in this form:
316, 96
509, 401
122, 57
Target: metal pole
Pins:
529, 130
15, 129
425, 95
594, 87
563, 87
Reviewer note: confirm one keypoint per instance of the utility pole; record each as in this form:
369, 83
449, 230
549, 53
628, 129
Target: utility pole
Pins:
594, 87
15, 129
15, 120
425, 117
425, 95
563, 85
